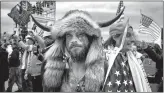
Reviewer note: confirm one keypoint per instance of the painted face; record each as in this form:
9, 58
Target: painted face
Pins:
77, 44
128, 40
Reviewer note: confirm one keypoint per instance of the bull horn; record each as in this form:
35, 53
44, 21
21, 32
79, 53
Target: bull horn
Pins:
45, 28
105, 24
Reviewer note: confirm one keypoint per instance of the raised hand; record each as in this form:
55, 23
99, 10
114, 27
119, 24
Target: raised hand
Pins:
144, 45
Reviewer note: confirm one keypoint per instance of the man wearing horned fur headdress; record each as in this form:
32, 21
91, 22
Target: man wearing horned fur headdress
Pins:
79, 39
75, 62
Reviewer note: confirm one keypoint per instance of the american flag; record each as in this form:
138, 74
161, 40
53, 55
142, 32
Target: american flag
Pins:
149, 27
120, 77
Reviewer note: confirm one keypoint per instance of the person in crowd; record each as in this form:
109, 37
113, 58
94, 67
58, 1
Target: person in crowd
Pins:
4, 70
77, 38
14, 70
26, 84
4, 37
13, 36
44, 44
124, 74
156, 54
33, 64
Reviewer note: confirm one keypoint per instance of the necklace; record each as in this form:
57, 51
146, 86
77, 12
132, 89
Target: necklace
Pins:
76, 82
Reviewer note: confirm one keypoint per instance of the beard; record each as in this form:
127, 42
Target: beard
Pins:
78, 54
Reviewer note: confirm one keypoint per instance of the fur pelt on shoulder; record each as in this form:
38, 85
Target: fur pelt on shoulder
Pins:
94, 77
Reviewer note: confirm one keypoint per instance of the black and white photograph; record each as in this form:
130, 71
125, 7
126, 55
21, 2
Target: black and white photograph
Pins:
81, 46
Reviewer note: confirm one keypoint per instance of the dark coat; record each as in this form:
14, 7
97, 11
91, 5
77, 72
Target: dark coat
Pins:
155, 53
4, 70
155, 56
14, 58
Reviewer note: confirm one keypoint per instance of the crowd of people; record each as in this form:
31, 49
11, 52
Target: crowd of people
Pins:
73, 58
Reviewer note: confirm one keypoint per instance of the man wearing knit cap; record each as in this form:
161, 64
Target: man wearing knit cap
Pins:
125, 73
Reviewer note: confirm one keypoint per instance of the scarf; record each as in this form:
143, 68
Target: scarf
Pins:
26, 58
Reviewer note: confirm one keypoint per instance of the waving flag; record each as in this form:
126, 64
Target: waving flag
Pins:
20, 14
24, 17
149, 27
14, 14
120, 77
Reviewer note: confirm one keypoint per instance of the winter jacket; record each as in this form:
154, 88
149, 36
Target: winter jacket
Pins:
33, 64
158, 58
14, 58
4, 70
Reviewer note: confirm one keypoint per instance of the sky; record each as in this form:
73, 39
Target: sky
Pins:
100, 11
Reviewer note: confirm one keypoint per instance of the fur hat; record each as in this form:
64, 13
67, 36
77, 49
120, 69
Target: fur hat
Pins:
76, 19
81, 21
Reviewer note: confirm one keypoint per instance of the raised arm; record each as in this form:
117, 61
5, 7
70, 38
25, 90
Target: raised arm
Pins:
23, 45
39, 39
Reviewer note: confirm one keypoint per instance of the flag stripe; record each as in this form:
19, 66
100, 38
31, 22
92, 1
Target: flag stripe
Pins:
156, 25
150, 30
154, 31
144, 31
